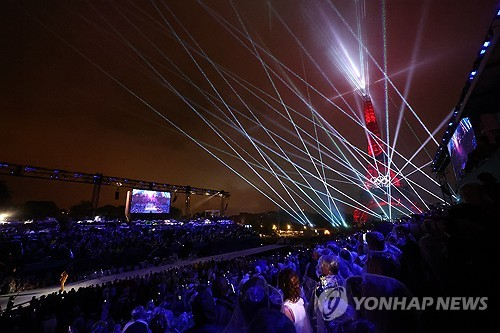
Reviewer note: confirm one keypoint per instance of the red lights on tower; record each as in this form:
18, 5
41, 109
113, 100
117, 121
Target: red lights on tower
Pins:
373, 134
379, 176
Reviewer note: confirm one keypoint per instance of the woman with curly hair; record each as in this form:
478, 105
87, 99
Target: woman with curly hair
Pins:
293, 305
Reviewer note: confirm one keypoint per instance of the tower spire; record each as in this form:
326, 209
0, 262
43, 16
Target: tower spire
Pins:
379, 176
373, 133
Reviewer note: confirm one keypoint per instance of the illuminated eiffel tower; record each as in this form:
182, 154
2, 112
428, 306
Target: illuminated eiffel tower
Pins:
383, 188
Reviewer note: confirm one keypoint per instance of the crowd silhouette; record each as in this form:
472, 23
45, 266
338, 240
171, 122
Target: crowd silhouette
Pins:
443, 252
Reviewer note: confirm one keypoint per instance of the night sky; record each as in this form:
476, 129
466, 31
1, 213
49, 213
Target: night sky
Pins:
241, 96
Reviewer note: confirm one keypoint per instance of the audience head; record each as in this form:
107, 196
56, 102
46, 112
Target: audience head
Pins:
139, 312
203, 307
346, 255
159, 322
402, 230
474, 193
332, 246
465, 222
220, 286
316, 253
289, 283
254, 295
275, 298
486, 178
382, 263
327, 265
375, 241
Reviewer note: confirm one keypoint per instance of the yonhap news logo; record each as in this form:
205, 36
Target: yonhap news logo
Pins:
421, 303
333, 303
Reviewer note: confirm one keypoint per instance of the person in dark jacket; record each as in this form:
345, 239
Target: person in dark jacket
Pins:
225, 299
204, 313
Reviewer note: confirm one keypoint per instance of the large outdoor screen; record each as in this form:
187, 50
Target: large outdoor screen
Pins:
461, 144
146, 202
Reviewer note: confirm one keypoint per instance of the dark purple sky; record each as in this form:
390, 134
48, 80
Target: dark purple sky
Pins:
135, 88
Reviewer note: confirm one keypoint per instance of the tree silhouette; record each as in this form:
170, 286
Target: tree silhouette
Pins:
40, 210
81, 210
111, 211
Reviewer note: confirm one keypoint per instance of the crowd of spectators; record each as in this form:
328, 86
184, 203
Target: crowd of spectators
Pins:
93, 249
444, 252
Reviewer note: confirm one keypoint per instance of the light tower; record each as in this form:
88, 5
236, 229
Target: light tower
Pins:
382, 186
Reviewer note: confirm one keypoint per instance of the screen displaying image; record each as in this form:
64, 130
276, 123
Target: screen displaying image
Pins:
461, 144
145, 202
